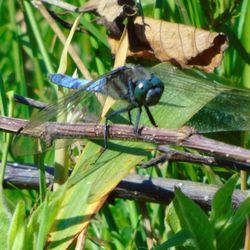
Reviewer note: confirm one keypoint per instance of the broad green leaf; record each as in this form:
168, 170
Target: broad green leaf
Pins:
172, 218
222, 204
43, 222
16, 235
200, 101
87, 186
181, 99
183, 237
195, 220
212, 177
43, 218
4, 224
233, 233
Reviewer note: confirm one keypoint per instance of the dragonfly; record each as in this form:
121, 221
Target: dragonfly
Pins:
175, 97
133, 84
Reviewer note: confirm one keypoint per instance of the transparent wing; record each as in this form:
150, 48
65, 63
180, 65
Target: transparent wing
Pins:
79, 106
76, 107
206, 104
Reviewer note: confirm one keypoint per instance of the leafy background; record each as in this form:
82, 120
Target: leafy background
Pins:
29, 52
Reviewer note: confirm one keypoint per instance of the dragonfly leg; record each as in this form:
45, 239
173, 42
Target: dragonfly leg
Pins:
137, 120
129, 117
131, 97
117, 112
131, 90
150, 116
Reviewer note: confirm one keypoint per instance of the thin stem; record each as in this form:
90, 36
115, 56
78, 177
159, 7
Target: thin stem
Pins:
5, 156
42, 177
19, 67
8, 139
38, 37
62, 4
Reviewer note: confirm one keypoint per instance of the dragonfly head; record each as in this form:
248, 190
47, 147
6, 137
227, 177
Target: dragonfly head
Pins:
149, 91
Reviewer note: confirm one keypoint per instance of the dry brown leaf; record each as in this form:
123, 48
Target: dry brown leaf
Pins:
138, 52
120, 60
121, 55
186, 45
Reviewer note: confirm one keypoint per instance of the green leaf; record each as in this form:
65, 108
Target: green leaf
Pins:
95, 32
172, 218
94, 176
222, 204
195, 220
181, 98
16, 236
3, 98
43, 218
199, 101
212, 177
232, 236
5, 223
42, 233
183, 237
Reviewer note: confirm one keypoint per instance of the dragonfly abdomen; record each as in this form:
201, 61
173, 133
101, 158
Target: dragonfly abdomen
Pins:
67, 81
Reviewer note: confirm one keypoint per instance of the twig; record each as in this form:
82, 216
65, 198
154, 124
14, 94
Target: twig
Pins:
30, 102
61, 4
170, 154
89, 6
64, 23
26, 175
134, 187
185, 137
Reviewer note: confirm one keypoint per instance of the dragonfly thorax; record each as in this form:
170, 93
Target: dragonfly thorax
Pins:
149, 91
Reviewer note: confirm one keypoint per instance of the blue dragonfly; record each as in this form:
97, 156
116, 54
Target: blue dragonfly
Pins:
175, 97
133, 84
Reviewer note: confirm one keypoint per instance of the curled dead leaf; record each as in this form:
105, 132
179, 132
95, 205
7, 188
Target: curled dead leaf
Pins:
185, 45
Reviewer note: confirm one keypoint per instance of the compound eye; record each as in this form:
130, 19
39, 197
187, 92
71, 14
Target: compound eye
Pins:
140, 85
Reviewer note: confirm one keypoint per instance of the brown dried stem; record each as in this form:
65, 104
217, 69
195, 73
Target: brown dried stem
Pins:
185, 136
170, 154
134, 187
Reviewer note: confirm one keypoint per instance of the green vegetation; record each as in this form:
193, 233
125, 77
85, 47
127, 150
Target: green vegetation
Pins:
29, 51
